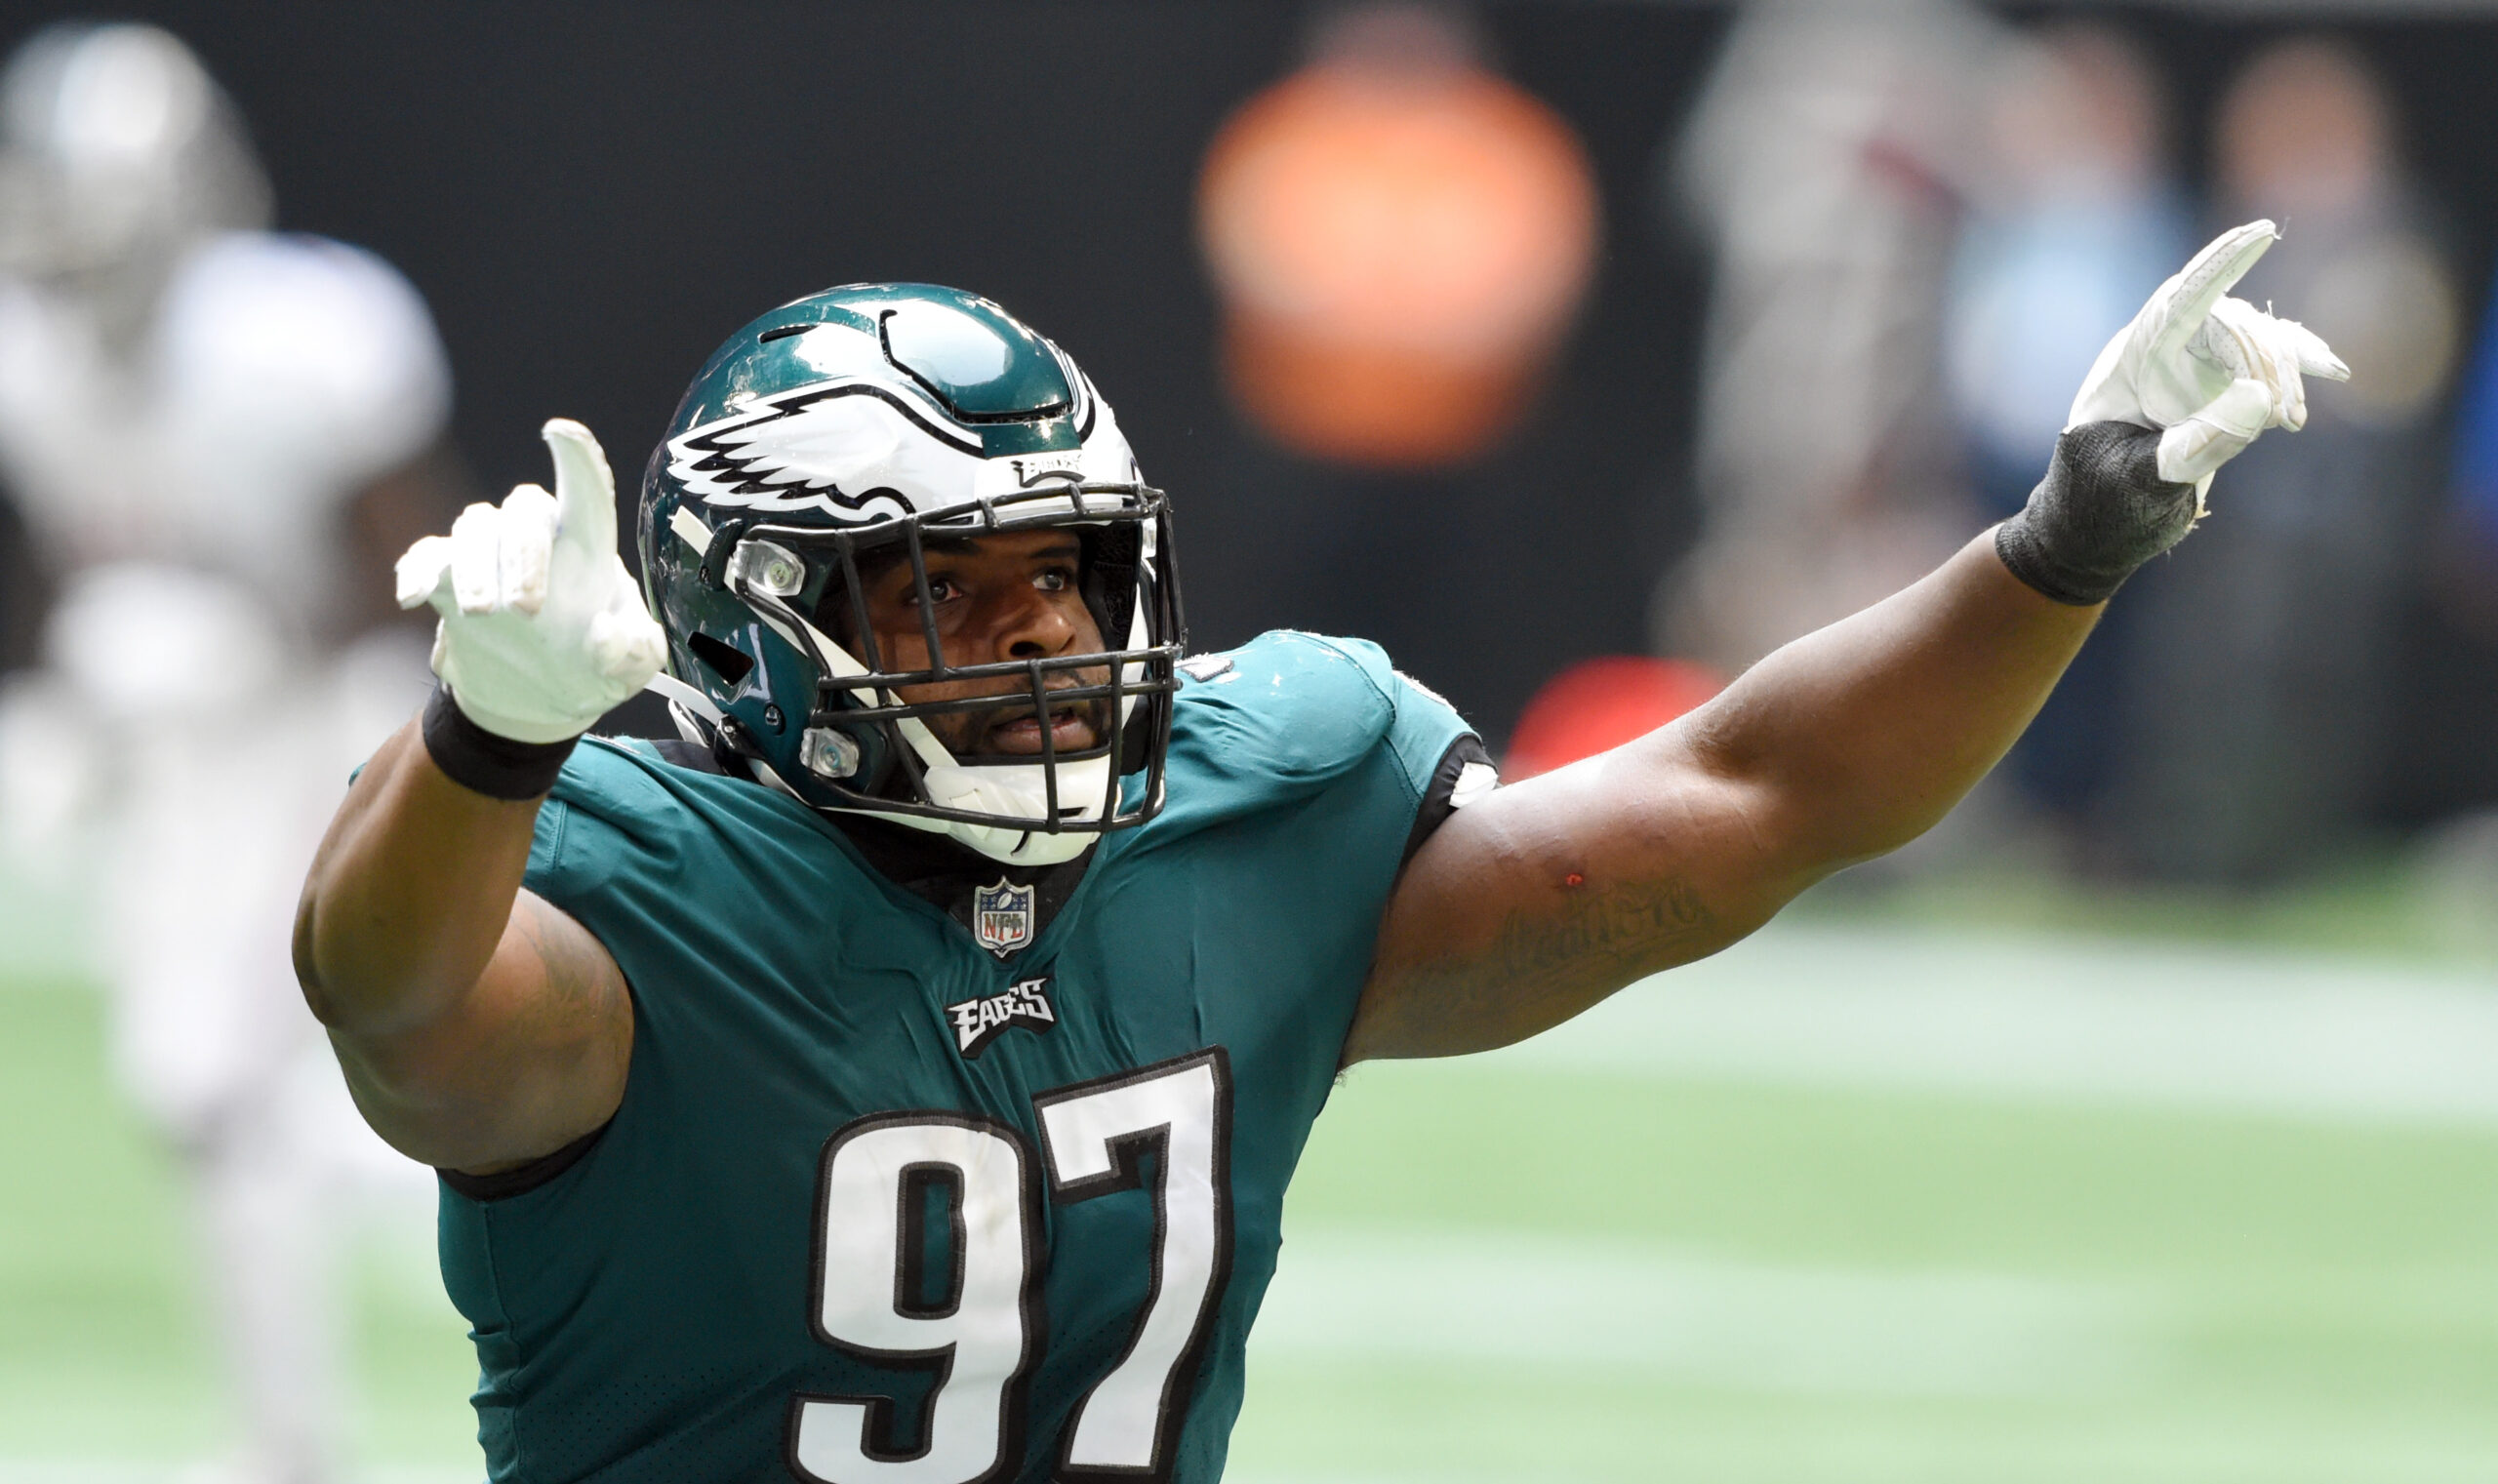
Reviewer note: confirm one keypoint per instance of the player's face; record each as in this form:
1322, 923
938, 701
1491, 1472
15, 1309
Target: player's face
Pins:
1009, 596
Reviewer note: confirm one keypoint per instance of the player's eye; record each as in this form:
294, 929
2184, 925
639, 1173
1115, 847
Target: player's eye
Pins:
1054, 579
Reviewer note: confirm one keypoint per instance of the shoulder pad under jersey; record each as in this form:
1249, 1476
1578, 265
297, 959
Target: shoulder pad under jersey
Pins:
1289, 711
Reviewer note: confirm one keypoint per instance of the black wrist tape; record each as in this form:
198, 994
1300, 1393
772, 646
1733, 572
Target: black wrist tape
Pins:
2102, 511
481, 762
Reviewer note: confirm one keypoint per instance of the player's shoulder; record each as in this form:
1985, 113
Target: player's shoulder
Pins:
620, 805
257, 326
1290, 705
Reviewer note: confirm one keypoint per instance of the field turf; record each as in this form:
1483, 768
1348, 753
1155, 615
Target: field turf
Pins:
2181, 1214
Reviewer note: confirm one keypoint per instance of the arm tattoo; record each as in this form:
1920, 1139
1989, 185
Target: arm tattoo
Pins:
577, 982
1614, 935
1547, 963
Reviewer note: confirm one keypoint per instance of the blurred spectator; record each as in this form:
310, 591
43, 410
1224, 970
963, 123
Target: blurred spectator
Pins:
215, 435
2258, 690
1400, 237
2467, 569
1825, 165
2471, 574
2073, 223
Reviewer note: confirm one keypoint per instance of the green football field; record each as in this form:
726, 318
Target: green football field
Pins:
1854, 1202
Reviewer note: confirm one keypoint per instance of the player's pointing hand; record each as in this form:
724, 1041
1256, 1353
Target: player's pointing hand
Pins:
2210, 371
542, 630
2176, 394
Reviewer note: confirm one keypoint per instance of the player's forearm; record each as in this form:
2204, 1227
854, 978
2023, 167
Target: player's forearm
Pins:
410, 893
1858, 738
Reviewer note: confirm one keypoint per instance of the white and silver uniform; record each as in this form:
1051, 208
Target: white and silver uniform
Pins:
190, 726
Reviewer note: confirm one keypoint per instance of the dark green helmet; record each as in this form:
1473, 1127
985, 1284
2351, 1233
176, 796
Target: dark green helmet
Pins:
862, 424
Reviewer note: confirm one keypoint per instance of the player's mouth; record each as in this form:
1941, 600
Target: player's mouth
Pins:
1018, 733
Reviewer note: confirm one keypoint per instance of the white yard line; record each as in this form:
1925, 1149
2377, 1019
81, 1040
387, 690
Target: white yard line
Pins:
1357, 1296
2068, 1019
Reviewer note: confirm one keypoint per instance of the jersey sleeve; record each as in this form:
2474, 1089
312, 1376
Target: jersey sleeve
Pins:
1291, 713
1431, 744
603, 813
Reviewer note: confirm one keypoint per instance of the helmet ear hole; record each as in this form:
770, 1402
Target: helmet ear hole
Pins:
1108, 580
729, 663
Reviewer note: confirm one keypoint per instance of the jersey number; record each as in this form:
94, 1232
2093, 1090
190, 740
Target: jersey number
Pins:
975, 1326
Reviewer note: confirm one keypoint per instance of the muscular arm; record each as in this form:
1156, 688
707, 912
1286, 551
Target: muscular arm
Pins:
479, 1026
1545, 897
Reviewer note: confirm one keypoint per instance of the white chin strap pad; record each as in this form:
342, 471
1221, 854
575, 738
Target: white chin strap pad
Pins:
1017, 791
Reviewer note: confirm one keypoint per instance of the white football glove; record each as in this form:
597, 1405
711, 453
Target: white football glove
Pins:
542, 630
2212, 371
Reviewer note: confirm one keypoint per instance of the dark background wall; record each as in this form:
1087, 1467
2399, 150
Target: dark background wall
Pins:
591, 196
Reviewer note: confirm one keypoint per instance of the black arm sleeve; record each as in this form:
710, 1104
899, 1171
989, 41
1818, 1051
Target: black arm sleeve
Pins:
2102, 511
1440, 799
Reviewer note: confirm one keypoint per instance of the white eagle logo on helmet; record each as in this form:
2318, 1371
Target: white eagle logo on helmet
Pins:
863, 445
833, 446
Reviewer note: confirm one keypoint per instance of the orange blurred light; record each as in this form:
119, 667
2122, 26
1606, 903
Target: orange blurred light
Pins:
1399, 249
1598, 705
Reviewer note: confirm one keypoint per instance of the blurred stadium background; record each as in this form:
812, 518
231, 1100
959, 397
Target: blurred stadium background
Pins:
2141, 1123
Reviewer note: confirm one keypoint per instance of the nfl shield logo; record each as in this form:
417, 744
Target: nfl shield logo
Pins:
1002, 916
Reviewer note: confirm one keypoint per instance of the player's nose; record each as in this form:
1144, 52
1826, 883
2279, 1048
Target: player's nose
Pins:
1032, 623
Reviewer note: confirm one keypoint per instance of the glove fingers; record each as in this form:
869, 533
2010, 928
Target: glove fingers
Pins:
2247, 342
627, 647
476, 560
2285, 346
585, 489
2193, 448
624, 640
2185, 302
528, 542
421, 570
2315, 357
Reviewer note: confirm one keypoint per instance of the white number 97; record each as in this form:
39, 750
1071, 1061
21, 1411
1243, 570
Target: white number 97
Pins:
976, 1324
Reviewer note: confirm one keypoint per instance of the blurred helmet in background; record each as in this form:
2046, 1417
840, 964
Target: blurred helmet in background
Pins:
116, 153
1401, 238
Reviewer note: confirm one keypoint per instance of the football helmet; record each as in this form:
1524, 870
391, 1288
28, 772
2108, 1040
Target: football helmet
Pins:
117, 152
856, 427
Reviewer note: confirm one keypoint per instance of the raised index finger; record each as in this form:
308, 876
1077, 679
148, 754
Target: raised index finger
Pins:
585, 490
2199, 285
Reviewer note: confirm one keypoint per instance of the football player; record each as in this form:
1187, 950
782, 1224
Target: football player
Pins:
897, 1079
198, 417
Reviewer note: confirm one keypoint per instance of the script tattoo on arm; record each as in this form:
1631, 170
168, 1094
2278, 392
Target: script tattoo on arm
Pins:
1545, 963
1611, 935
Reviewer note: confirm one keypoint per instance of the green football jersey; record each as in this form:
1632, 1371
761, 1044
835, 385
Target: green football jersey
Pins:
897, 1194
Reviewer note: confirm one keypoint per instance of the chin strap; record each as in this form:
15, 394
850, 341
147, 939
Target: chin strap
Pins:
698, 720
696, 716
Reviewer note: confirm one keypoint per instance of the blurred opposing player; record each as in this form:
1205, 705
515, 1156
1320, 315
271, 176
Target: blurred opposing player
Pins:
198, 419
897, 1079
